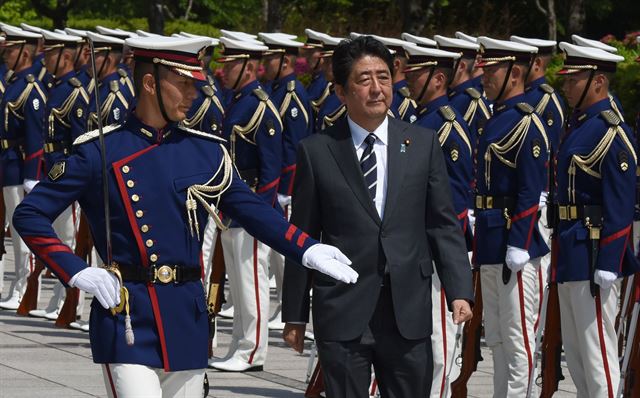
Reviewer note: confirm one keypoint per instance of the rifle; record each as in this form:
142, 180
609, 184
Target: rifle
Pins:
2, 230
538, 351
84, 245
628, 287
216, 289
552, 343
630, 369
30, 299
470, 353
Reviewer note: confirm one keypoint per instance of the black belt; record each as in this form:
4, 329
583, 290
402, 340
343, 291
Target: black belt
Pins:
60, 146
487, 202
576, 212
250, 177
6, 144
160, 273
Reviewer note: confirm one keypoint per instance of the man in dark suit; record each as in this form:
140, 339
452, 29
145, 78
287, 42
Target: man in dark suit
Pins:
377, 188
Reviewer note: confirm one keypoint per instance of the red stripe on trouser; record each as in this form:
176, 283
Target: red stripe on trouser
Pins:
443, 323
257, 291
523, 322
603, 347
540, 298
113, 387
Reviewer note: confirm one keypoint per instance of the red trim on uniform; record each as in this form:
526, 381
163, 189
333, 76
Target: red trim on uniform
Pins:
288, 168
624, 249
463, 214
113, 386
374, 387
540, 298
41, 240
61, 248
268, 186
292, 170
530, 233
443, 323
186, 59
292, 230
201, 260
603, 348
34, 155
257, 293
301, 239
158, 318
525, 213
43, 247
40, 168
523, 322
617, 235
126, 200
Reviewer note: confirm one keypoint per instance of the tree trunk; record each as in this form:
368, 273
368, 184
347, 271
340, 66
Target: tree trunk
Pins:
553, 21
577, 16
414, 15
156, 17
275, 16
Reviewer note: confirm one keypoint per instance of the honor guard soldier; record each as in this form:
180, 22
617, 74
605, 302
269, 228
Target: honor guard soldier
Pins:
419, 40
595, 197
550, 108
82, 64
402, 107
332, 108
65, 116
149, 316
477, 72
3, 67
319, 88
207, 112
616, 105
428, 72
290, 98
21, 124
253, 130
124, 71
42, 75
513, 152
114, 99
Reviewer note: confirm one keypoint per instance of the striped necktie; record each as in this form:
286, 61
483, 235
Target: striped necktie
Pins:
368, 164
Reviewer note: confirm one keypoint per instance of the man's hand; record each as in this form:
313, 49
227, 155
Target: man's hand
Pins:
293, 334
101, 283
461, 311
330, 261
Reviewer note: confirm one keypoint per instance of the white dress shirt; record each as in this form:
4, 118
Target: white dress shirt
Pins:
358, 135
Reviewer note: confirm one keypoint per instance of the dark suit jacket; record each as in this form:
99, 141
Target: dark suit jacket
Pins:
419, 228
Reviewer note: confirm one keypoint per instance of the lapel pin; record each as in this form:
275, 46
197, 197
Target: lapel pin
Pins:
404, 145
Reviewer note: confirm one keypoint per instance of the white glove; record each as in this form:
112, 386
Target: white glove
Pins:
604, 279
28, 185
516, 258
472, 219
284, 200
543, 200
330, 261
101, 283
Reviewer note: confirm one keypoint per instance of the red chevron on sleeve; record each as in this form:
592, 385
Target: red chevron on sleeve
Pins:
43, 247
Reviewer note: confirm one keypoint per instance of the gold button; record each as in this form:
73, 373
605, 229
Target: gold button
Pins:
125, 169
139, 213
135, 197
149, 243
144, 228
153, 257
130, 183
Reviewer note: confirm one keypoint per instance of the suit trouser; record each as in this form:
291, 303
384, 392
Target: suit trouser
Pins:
247, 266
403, 367
509, 325
13, 195
589, 337
442, 339
124, 380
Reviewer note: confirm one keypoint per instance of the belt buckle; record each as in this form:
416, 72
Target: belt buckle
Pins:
562, 212
573, 212
48, 147
164, 274
4, 144
489, 202
479, 204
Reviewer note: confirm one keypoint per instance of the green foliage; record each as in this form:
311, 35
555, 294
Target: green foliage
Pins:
15, 11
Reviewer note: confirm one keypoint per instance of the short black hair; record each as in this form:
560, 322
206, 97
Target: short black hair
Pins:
349, 51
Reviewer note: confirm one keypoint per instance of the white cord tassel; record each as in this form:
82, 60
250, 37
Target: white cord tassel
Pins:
128, 330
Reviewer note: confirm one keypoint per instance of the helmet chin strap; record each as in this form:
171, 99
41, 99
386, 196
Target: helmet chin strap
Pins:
279, 67
15, 64
244, 65
104, 61
77, 57
426, 84
586, 88
55, 71
163, 111
504, 83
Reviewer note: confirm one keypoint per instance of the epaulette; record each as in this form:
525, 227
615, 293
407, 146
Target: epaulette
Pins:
75, 82
473, 92
546, 88
610, 117
207, 91
447, 113
93, 134
30, 78
404, 91
122, 72
261, 94
114, 86
525, 108
291, 86
201, 134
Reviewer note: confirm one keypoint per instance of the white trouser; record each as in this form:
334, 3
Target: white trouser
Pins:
276, 268
13, 195
545, 262
66, 227
123, 380
508, 325
442, 339
589, 337
246, 260
208, 249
